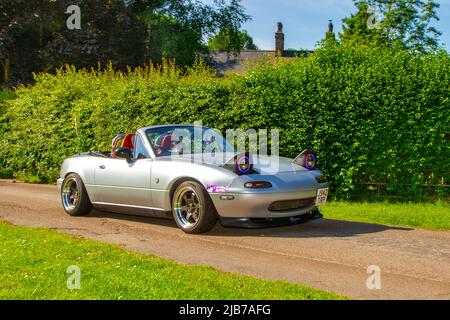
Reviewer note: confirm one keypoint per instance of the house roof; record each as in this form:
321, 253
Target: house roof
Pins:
225, 61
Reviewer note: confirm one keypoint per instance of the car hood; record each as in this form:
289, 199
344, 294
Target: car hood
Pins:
262, 163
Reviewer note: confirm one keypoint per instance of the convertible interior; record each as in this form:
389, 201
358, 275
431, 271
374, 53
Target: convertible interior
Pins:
165, 141
164, 144
127, 141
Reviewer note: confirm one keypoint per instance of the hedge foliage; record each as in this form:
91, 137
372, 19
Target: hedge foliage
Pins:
372, 115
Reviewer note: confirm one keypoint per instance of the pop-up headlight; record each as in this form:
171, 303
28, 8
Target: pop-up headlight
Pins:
306, 159
241, 164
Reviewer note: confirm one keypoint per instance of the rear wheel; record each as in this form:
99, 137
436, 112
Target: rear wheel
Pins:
74, 197
193, 209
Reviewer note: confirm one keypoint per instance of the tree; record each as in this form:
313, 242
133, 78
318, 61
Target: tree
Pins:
179, 29
235, 40
167, 38
34, 37
109, 33
361, 28
406, 23
21, 31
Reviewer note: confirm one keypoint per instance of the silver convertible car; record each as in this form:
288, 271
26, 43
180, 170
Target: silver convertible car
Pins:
193, 175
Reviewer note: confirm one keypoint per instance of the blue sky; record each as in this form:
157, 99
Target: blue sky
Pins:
305, 21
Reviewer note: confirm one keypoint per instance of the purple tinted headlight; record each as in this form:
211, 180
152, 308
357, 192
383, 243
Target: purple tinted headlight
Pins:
243, 164
310, 161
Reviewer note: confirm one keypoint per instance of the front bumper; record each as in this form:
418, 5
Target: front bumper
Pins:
255, 223
59, 182
256, 204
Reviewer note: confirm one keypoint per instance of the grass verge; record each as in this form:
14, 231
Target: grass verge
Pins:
33, 265
421, 215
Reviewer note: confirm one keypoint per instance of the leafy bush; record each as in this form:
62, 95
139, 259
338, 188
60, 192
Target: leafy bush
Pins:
5, 95
373, 115
377, 115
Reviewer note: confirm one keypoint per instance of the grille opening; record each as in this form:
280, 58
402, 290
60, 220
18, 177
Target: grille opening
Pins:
288, 205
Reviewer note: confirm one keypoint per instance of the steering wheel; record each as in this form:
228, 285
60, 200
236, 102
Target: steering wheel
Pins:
159, 139
160, 150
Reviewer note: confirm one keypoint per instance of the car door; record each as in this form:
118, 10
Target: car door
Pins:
121, 183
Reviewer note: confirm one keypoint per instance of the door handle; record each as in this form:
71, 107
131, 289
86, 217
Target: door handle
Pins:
102, 167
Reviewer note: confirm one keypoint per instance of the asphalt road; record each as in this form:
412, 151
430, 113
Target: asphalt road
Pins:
326, 254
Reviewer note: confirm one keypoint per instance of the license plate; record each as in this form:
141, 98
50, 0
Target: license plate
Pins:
322, 195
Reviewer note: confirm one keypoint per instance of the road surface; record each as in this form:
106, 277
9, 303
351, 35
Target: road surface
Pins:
325, 254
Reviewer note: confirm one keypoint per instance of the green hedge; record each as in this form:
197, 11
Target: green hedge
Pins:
373, 115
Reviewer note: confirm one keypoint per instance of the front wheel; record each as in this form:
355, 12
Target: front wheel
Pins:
74, 197
192, 208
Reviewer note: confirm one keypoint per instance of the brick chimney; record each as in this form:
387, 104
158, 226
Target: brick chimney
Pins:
330, 36
279, 39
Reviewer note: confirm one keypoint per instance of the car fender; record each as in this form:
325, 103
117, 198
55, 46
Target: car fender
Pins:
166, 175
81, 165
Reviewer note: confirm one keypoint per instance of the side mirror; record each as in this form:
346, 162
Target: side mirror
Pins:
124, 153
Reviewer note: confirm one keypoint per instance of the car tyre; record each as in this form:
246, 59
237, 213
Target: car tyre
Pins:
74, 197
193, 209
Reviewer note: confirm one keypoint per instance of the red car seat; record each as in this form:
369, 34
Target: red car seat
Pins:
166, 143
128, 141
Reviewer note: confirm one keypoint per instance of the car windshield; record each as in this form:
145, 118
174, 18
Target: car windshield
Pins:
170, 140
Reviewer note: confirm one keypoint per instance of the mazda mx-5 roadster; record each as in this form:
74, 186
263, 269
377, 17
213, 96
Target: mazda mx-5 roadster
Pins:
192, 174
